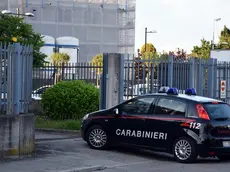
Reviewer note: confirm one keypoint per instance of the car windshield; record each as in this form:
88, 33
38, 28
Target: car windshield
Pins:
218, 111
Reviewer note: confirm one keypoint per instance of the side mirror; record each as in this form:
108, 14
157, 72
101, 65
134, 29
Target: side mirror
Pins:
116, 111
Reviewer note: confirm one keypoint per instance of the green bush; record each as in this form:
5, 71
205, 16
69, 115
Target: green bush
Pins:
70, 100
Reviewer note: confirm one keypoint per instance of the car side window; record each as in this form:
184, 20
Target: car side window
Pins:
137, 106
168, 106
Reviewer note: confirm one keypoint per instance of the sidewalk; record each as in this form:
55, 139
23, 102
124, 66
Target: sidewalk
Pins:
58, 155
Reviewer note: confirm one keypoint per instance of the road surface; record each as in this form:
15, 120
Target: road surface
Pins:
72, 153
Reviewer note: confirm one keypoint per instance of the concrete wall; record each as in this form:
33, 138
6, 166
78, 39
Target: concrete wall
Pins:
17, 135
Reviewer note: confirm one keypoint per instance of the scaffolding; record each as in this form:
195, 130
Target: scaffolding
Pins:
100, 25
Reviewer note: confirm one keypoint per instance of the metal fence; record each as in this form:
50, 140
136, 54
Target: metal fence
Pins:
147, 75
16, 65
53, 73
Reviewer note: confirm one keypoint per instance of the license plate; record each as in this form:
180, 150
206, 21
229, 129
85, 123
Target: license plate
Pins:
226, 143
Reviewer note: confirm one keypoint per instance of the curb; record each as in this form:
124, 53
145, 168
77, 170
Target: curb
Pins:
85, 169
46, 130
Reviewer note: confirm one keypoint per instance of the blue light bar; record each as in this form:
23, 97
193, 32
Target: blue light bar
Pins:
173, 91
190, 91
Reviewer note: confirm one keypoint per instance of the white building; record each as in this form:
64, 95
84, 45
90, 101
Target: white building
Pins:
100, 25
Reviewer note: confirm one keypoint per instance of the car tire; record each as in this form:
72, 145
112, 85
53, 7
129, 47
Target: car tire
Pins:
224, 157
184, 150
97, 137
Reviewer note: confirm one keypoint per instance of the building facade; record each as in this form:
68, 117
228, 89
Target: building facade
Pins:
100, 25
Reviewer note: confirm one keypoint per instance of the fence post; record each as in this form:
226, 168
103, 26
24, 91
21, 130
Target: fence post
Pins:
210, 85
200, 78
121, 77
103, 85
170, 71
191, 72
215, 79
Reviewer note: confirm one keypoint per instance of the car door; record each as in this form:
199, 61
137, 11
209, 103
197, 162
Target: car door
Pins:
128, 126
164, 123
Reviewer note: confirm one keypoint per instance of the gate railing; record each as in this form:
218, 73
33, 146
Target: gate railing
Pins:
16, 75
147, 75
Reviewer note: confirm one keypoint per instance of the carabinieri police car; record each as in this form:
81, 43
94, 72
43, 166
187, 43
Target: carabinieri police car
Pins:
185, 125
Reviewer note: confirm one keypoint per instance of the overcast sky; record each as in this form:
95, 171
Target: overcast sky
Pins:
179, 23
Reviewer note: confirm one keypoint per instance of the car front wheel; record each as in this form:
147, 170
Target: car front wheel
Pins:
97, 138
184, 150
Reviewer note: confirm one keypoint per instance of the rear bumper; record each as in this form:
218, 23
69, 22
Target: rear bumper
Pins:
213, 147
219, 151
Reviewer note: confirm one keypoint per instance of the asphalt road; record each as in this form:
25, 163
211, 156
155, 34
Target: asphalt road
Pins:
56, 155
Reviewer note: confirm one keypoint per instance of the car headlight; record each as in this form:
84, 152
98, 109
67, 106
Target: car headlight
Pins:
85, 117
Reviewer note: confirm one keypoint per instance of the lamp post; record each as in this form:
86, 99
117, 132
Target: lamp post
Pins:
213, 36
146, 34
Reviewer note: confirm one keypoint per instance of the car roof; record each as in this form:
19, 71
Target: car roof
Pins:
195, 98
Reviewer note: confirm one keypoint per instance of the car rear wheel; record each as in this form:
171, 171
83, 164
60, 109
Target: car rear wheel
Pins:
224, 157
184, 150
96, 137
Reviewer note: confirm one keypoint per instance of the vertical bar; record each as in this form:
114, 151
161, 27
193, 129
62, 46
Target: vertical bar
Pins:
215, 79
225, 78
170, 71
10, 53
103, 87
133, 76
191, 72
200, 78
5, 86
1, 76
18, 77
121, 79
210, 77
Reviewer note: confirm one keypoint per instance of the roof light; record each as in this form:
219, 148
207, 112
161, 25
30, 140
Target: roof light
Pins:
173, 91
190, 91
163, 89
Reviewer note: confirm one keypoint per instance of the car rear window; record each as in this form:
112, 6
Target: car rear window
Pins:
218, 111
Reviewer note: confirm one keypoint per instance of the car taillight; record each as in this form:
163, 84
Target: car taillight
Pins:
202, 112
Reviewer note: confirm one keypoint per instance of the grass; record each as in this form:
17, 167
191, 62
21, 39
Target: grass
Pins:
53, 124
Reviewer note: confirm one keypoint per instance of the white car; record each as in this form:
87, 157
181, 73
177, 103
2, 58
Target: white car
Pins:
36, 94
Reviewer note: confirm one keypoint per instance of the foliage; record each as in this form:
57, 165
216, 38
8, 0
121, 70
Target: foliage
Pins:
140, 68
98, 61
15, 29
179, 54
149, 48
58, 58
224, 39
70, 100
202, 51
44, 123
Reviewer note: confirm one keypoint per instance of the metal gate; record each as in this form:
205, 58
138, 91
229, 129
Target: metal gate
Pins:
146, 75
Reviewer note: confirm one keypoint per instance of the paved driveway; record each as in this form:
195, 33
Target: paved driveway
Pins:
69, 153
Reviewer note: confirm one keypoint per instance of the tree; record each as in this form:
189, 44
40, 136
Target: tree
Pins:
178, 54
14, 29
224, 39
97, 61
58, 59
149, 48
149, 54
202, 51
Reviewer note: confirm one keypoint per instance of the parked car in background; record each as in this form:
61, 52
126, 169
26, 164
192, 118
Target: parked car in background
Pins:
36, 94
